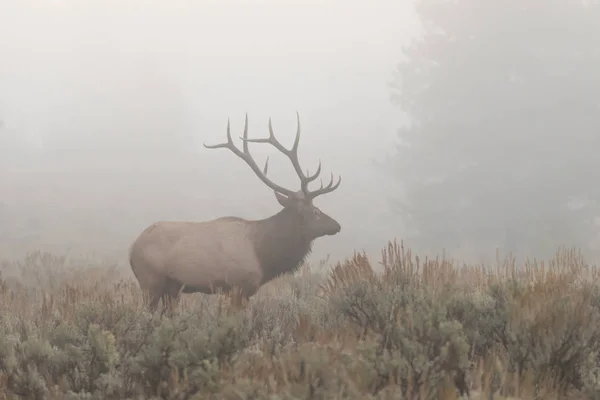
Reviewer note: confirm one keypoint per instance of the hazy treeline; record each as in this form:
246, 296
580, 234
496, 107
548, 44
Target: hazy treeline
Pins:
502, 145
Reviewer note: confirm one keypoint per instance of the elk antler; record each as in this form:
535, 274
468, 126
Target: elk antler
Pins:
247, 157
292, 154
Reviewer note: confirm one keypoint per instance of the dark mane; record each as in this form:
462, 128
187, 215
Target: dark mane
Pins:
281, 243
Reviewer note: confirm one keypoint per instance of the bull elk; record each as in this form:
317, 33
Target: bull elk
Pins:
173, 257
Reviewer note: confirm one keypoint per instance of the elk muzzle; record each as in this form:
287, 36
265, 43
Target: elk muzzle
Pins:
335, 228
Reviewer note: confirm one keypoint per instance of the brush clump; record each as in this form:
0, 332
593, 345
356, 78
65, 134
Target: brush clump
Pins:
404, 329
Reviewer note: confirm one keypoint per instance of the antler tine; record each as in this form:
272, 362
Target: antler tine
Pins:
311, 178
245, 136
227, 145
327, 189
291, 154
247, 157
297, 139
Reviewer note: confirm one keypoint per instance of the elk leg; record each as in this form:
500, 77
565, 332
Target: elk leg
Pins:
154, 295
153, 305
170, 295
238, 297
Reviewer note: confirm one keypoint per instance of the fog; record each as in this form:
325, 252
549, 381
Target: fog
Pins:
480, 135
105, 106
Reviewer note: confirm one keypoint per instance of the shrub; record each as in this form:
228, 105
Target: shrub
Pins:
412, 329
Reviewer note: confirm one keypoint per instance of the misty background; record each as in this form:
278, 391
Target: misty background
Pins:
460, 126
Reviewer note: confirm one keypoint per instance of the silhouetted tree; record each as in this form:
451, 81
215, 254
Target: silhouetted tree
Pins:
504, 102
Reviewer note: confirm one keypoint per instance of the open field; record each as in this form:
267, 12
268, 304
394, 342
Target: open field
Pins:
416, 329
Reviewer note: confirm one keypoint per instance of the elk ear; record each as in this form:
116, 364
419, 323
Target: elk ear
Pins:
282, 199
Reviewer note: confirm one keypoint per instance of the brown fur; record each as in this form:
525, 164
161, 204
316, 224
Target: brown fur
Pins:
221, 254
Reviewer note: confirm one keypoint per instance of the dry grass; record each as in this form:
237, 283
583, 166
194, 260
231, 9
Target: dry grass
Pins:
413, 329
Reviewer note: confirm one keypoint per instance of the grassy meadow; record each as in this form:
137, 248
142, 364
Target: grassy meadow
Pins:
401, 327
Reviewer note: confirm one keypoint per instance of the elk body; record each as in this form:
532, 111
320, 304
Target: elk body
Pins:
173, 257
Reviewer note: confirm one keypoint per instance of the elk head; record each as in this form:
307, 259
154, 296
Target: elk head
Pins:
296, 204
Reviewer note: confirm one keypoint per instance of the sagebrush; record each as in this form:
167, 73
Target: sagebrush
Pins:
408, 329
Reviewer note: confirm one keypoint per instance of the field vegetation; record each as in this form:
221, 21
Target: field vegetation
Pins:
396, 328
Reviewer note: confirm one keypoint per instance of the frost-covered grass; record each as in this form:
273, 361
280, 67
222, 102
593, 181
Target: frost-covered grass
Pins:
416, 329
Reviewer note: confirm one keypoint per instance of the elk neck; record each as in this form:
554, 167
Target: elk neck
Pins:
282, 243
